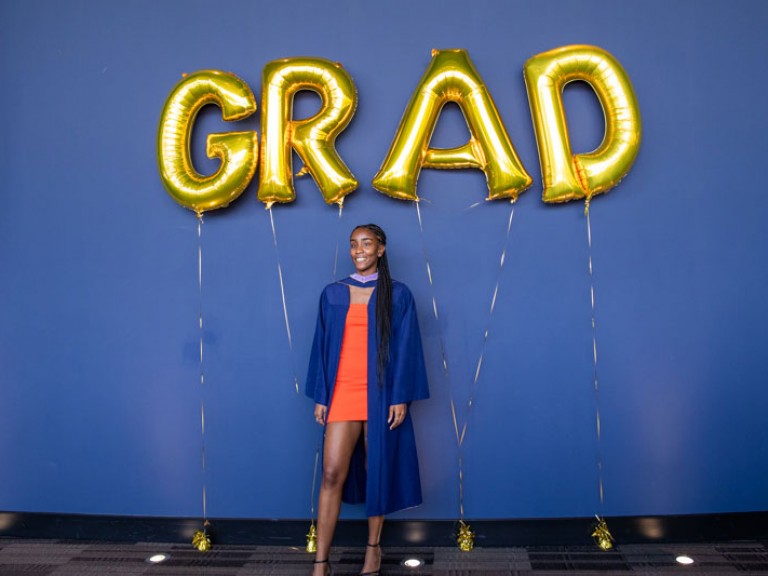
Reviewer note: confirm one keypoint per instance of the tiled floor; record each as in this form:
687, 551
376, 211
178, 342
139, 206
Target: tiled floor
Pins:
77, 558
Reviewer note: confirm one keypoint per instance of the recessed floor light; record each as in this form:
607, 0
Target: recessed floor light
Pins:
157, 558
412, 562
684, 560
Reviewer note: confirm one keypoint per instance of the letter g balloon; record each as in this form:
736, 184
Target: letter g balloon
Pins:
238, 151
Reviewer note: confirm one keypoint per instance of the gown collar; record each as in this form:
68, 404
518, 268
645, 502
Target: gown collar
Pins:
355, 282
365, 279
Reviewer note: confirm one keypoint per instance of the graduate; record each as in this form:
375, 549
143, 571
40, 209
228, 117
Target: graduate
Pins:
365, 369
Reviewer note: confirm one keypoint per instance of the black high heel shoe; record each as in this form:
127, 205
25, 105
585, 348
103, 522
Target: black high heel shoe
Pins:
329, 571
376, 572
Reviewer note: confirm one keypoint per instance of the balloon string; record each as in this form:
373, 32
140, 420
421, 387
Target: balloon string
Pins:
446, 372
202, 372
599, 457
322, 435
314, 479
282, 295
488, 321
338, 235
461, 435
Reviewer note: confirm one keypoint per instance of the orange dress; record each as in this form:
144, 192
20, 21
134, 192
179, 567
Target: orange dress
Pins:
350, 394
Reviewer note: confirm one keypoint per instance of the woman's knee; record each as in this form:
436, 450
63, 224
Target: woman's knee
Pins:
334, 475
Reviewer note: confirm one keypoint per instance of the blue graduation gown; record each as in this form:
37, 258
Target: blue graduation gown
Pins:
391, 481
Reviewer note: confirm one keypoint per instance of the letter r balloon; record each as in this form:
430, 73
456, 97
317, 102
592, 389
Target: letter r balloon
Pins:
312, 138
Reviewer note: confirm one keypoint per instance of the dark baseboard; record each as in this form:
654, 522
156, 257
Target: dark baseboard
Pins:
489, 533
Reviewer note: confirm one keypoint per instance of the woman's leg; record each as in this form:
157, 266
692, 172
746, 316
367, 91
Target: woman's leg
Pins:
375, 523
372, 563
340, 440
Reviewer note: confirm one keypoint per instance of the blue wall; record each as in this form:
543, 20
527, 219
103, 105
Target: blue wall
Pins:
99, 384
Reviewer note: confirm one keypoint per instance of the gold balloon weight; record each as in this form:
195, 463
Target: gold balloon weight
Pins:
602, 535
201, 541
465, 538
312, 539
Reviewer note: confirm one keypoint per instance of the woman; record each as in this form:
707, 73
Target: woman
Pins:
366, 367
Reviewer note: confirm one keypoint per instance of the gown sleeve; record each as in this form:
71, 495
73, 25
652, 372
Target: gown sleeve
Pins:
409, 374
316, 386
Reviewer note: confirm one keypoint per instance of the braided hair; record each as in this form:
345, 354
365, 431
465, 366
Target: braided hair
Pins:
383, 302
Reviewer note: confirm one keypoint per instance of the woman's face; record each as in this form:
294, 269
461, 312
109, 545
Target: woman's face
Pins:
365, 250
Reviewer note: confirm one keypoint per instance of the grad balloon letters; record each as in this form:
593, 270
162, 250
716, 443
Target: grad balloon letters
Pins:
236, 150
312, 138
566, 176
450, 77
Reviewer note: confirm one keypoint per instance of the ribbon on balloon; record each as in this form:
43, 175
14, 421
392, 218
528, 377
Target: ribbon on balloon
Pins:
601, 533
283, 300
311, 546
451, 77
567, 176
312, 534
465, 536
202, 541
237, 152
313, 139
284, 303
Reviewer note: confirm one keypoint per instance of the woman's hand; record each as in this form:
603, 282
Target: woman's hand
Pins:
320, 413
397, 414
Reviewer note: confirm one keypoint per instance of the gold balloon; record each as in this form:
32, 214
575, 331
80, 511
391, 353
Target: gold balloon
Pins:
313, 138
237, 151
465, 538
312, 539
451, 77
602, 535
566, 176
201, 541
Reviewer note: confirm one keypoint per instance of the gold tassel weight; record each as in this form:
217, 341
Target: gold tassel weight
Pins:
602, 535
201, 541
312, 539
465, 538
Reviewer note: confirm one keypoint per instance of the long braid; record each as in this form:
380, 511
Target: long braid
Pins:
383, 304
383, 315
